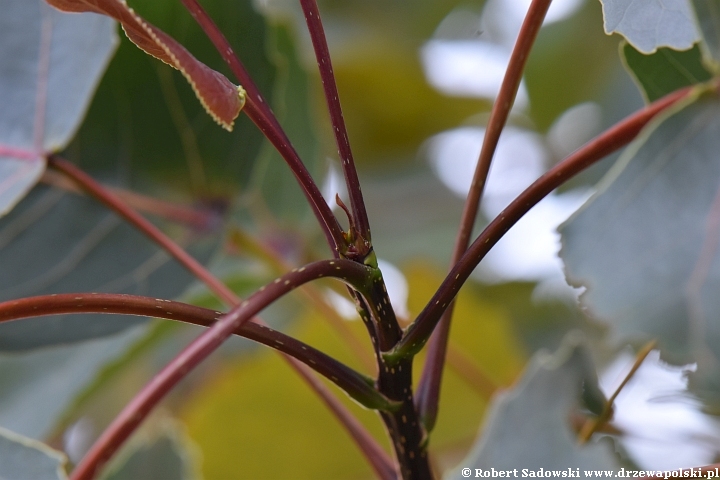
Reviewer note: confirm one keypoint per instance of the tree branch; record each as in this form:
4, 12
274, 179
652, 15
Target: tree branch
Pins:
428, 392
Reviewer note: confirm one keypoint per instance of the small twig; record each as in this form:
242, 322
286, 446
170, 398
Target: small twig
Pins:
428, 392
197, 218
322, 54
88, 184
356, 385
591, 426
612, 139
135, 412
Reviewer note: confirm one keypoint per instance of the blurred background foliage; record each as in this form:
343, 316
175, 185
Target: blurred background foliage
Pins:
244, 409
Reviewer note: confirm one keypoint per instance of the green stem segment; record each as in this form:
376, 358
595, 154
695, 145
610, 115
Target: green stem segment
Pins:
407, 434
428, 393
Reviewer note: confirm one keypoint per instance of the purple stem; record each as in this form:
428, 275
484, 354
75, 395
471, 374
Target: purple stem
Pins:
356, 385
428, 392
322, 54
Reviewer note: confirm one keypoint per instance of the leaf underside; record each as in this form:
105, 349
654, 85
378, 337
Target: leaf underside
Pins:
50, 64
22, 458
646, 245
527, 426
650, 24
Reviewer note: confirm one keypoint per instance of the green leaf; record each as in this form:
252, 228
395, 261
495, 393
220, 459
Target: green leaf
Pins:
527, 426
168, 454
645, 245
23, 458
37, 387
50, 64
650, 24
272, 180
57, 242
664, 71
708, 15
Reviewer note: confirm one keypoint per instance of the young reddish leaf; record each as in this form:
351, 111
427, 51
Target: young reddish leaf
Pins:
221, 99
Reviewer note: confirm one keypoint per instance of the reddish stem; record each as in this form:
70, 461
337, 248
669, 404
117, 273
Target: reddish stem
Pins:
356, 385
135, 412
200, 219
322, 54
87, 183
612, 139
428, 392
376, 460
262, 116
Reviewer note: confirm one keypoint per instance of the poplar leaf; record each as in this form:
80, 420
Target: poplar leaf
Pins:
221, 99
664, 71
527, 426
50, 64
645, 245
650, 24
24, 458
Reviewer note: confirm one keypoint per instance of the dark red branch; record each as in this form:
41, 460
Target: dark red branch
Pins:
135, 412
428, 393
356, 385
611, 140
322, 54
262, 116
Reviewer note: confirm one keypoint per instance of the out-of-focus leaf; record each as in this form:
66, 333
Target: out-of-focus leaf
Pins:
571, 63
272, 180
36, 387
50, 64
483, 331
664, 71
708, 17
221, 99
412, 214
169, 455
58, 243
645, 246
527, 426
23, 458
650, 24
391, 108
257, 419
